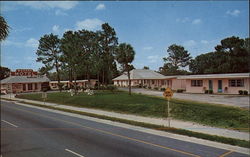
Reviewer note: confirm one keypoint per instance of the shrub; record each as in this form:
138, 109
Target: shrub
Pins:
241, 92
180, 90
149, 87
140, 86
156, 88
163, 89
144, 86
206, 91
245, 92
210, 91
111, 87
60, 85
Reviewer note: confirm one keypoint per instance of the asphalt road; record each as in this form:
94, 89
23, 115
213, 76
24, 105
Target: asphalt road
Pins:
30, 132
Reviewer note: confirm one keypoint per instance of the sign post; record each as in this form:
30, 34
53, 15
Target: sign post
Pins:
44, 96
168, 93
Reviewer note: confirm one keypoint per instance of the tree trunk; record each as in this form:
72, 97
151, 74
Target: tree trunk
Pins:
103, 77
129, 82
75, 87
98, 79
58, 75
70, 78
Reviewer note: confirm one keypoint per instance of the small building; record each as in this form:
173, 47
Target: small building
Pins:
218, 83
80, 83
24, 80
149, 79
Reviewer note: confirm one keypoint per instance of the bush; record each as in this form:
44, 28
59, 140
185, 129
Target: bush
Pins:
144, 86
180, 90
163, 89
156, 88
206, 91
210, 91
111, 87
241, 92
245, 92
149, 87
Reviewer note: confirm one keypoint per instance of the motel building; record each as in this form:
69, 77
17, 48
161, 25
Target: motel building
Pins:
149, 78
24, 80
80, 83
218, 83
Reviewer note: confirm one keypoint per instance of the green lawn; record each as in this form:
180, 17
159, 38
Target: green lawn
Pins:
203, 113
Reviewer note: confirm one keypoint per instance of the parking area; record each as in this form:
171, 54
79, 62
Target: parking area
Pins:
231, 100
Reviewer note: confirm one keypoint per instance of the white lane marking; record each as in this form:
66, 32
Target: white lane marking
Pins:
74, 153
9, 123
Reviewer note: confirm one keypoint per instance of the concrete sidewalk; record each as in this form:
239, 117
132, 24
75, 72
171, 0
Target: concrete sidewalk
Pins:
158, 121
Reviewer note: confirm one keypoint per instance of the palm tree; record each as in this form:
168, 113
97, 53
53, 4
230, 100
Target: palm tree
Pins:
125, 55
4, 29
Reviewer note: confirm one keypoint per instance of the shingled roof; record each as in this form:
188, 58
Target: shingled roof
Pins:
140, 74
25, 79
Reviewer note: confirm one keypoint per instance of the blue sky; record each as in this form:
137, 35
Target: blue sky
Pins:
150, 27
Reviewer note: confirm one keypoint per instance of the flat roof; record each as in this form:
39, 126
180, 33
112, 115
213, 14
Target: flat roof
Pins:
203, 76
68, 81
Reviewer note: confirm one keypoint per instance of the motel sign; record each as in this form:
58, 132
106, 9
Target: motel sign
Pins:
24, 72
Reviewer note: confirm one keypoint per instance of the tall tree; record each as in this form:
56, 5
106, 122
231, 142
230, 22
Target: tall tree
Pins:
49, 52
125, 55
4, 29
4, 72
177, 58
231, 56
108, 43
72, 53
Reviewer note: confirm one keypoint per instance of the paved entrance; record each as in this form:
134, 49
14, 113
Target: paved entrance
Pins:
232, 100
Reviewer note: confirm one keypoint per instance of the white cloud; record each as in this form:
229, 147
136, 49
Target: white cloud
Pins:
32, 43
189, 43
204, 41
184, 20
196, 21
89, 24
100, 7
153, 59
60, 13
65, 5
11, 43
235, 12
147, 48
22, 29
56, 29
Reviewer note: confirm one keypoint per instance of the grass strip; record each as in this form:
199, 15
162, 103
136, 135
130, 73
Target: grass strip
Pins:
225, 140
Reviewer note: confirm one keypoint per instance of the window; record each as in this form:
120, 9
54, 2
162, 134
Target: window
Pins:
24, 87
196, 83
153, 81
30, 86
236, 83
35, 86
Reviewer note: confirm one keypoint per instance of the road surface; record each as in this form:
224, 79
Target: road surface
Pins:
31, 132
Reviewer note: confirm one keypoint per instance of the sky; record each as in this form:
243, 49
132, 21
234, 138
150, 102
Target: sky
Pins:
149, 26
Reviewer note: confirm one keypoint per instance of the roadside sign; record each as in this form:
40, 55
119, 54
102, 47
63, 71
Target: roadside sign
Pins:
44, 95
168, 93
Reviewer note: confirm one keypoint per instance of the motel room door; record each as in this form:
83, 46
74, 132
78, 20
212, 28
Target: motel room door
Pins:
219, 86
210, 84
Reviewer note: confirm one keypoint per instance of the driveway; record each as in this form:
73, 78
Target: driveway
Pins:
231, 100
